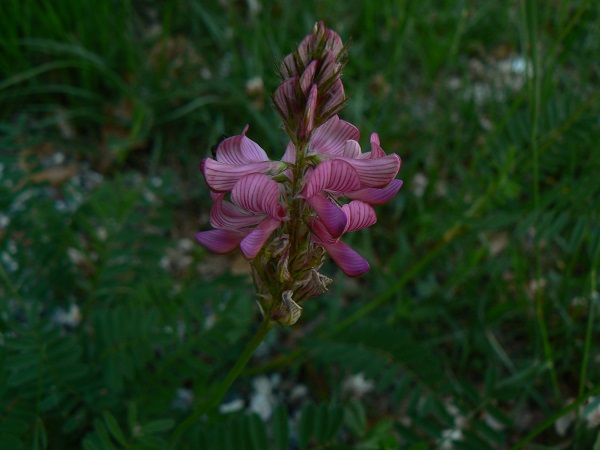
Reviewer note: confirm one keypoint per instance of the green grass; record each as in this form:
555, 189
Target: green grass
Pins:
479, 314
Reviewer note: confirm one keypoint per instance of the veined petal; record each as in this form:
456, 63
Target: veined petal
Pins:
375, 196
330, 138
376, 150
220, 241
334, 175
225, 214
351, 149
360, 215
334, 98
308, 76
240, 150
221, 177
290, 154
257, 193
377, 172
330, 214
351, 263
256, 239
285, 99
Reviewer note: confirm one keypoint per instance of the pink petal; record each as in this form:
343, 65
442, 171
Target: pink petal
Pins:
330, 138
290, 154
308, 76
352, 149
375, 196
285, 99
351, 263
360, 215
334, 98
376, 150
252, 243
257, 193
240, 150
221, 177
335, 175
225, 214
320, 232
331, 214
377, 172
220, 241
307, 122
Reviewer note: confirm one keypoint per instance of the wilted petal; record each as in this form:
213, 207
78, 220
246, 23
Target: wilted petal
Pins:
330, 138
376, 196
377, 172
258, 193
221, 177
256, 239
225, 214
335, 175
351, 263
220, 241
330, 214
240, 150
360, 215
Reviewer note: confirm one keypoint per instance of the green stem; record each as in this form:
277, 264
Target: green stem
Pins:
554, 417
223, 387
588, 334
529, 37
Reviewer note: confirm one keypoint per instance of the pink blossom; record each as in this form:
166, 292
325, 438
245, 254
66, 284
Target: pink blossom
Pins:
248, 220
237, 156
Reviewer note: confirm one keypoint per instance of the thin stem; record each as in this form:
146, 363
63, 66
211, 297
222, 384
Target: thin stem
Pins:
223, 387
554, 417
530, 25
588, 333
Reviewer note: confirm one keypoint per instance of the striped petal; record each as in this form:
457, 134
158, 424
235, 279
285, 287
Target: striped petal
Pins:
351, 263
252, 244
360, 215
375, 196
257, 193
221, 177
330, 138
330, 214
377, 172
226, 215
220, 241
239, 150
290, 154
334, 175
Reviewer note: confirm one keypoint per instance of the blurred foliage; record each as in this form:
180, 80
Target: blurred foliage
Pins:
114, 324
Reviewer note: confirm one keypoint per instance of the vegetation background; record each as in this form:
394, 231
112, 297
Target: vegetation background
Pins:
476, 327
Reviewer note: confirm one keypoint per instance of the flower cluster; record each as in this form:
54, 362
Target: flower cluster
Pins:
287, 215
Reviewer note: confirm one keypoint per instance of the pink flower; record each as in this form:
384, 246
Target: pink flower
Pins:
359, 215
237, 156
248, 220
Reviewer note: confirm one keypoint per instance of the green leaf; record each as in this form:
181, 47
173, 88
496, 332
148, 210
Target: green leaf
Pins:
258, 433
281, 428
355, 417
307, 425
114, 428
158, 426
40, 438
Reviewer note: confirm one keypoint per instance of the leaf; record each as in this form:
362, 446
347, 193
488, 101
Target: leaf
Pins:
113, 427
158, 426
355, 417
281, 428
258, 433
307, 425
